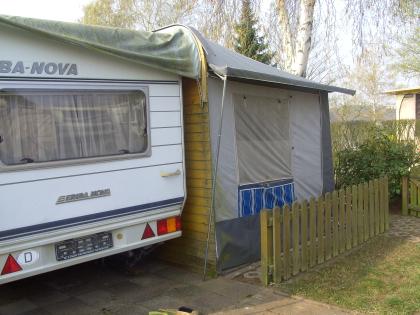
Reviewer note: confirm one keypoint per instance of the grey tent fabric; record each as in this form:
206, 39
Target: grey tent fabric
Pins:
327, 159
305, 122
173, 49
226, 194
294, 157
225, 62
262, 138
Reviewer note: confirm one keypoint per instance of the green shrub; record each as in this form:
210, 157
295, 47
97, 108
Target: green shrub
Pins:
383, 153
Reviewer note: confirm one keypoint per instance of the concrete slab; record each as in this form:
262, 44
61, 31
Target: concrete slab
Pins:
17, 307
70, 306
95, 288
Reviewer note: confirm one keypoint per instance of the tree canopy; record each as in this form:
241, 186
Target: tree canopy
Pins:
247, 41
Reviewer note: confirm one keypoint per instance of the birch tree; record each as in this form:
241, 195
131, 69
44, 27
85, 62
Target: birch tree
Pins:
296, 45
369, 21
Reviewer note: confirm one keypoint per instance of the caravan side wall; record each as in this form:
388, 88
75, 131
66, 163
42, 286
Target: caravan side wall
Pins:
45, 200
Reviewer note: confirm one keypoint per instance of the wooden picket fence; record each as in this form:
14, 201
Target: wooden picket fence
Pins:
296, 238
411, 196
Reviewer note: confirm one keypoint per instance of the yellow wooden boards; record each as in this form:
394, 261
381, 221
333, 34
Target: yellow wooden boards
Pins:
189, 250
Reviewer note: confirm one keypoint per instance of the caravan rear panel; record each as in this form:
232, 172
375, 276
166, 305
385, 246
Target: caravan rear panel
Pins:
91, 155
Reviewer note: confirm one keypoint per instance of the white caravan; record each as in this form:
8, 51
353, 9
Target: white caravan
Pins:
91, 155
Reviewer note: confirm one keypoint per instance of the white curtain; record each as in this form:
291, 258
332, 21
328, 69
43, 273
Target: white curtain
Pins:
51, 126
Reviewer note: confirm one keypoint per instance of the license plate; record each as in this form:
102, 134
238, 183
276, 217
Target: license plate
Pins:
83, 246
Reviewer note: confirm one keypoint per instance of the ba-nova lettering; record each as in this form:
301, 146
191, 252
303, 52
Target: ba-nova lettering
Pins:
38, 68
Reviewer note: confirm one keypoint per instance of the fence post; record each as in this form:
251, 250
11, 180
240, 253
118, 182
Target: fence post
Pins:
342, 220
354, 209
366, 212
327, 226
320, 229
277, 238
304, 216
348, 218
412, 200
312, 231
371, 209
382, 205
266, 246
360, 227
335, 211
404, 193
386, 204
377, 205
296, 234
286, 251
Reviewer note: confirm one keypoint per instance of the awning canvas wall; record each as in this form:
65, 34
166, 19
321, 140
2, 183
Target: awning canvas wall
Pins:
270, 154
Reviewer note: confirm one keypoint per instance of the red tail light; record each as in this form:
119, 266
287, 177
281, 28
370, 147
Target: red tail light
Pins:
161, 227
169, 225
178, 223
148, 232
10, 266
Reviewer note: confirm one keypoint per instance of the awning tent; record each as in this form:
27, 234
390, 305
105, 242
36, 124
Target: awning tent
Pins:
269, 130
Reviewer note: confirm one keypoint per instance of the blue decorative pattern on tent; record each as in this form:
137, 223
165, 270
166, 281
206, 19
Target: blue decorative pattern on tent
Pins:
254, 197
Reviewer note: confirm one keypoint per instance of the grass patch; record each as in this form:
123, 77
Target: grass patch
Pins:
382, 276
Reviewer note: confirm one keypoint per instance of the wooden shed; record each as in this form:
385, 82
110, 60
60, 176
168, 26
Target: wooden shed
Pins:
407, 102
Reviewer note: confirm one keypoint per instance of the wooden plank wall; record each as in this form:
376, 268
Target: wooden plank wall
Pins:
189, 250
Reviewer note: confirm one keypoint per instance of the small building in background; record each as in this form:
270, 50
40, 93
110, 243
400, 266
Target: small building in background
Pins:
407, 102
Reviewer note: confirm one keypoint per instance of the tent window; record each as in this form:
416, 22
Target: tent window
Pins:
42, 126
262, 138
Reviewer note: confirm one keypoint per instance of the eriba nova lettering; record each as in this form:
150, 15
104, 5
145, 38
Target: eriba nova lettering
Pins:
37, 68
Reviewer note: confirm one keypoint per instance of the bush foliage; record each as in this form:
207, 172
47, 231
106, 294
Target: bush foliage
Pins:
375, 150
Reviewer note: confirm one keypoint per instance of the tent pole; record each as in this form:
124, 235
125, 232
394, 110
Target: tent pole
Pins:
213, 186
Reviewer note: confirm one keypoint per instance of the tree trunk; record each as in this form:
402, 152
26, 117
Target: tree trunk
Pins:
303, 37
286, 36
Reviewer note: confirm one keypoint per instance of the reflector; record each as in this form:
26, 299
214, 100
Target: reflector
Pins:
148, 232
10, 266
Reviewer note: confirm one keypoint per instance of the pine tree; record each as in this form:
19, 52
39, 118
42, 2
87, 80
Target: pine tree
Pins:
248, 42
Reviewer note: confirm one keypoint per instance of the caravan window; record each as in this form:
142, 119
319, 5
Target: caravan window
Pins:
49, 125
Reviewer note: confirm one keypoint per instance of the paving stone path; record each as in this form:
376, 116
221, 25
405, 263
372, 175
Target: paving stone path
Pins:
95, 289
405, 226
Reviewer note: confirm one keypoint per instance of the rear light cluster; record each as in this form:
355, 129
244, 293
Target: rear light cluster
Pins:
164, 226
168, 225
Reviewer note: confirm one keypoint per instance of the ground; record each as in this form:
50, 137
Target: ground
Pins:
95, 288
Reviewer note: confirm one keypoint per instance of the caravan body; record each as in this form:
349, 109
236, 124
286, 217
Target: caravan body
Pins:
91, 154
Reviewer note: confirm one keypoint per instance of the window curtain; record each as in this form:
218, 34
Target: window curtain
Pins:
41, 127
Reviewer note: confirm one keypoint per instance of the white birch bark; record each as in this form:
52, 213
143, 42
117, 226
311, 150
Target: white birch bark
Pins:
286, 36
303, 37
